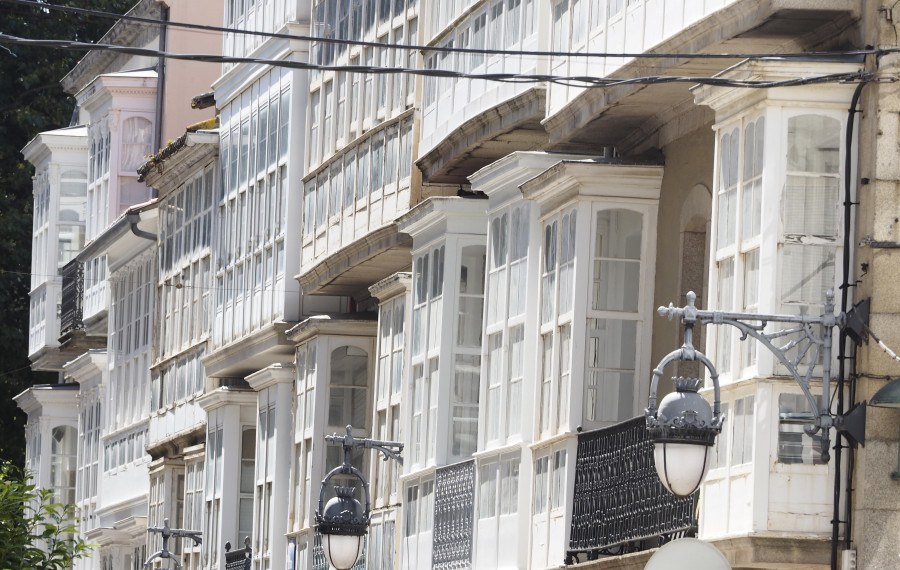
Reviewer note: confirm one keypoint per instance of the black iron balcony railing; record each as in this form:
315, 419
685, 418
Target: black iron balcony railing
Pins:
238, 559
620, 505
454, 512
71, 309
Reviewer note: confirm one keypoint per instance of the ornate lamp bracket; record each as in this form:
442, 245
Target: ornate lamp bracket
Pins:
797, 346
389, 450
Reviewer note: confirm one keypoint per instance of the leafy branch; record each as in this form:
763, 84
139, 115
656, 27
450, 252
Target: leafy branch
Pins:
36, 531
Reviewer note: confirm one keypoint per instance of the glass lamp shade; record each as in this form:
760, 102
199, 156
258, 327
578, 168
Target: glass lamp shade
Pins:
888, 396
342, 550
681, 466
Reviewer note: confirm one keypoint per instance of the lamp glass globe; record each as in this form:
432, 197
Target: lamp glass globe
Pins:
681, 466
342, 550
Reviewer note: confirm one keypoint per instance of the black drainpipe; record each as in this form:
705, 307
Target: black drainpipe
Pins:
842, 345
161, 74
133, 220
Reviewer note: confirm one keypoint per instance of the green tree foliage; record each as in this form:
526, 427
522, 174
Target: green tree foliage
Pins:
36, 533
31, 101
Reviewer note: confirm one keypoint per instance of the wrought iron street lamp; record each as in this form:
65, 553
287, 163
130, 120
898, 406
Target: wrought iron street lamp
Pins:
684, 428
167, 533
342, 521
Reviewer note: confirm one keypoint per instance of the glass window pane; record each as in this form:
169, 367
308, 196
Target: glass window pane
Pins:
813, 144
609, 386
807, 273
794, 445
464, 436
348, 387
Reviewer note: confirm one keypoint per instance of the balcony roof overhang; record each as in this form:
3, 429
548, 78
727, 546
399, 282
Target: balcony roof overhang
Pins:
351, 270
251, 353
125, 237
48, 399
49, 358
513, 125
631, 118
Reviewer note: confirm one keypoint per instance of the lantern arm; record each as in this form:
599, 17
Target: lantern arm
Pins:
388, 449
684, 354
689, 315
168, 532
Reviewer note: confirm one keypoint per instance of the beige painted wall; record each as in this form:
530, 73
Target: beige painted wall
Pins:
682, 206
185, 79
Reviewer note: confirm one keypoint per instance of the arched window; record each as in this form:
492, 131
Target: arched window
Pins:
63, 455
347, 404
137, 138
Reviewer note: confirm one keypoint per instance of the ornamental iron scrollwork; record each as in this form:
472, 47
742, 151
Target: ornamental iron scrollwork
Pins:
454, 512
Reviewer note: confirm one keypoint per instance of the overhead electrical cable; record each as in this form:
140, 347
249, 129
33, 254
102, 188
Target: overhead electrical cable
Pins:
577, 80
447, 49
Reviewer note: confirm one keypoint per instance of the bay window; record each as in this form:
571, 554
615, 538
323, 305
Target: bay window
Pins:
796, 257
250, 206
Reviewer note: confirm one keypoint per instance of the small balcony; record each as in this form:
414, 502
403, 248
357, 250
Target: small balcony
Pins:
43, 328
73, 338
620, 505
71, 309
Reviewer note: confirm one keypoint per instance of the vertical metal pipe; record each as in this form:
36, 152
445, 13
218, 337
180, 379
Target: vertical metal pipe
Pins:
842, 340
161, 75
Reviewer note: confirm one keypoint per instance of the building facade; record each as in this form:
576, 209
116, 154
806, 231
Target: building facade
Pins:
467, 261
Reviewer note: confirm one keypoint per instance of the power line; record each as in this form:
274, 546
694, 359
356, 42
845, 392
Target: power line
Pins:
167, 282
446, 49
577, 81
11, 372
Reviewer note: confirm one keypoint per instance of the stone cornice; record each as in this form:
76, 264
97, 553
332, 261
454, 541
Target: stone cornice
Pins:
87, 370
122, 32
42, 395
279, 373
198, 150
391, 287
109, 87
444, 214
707, 34
221, 397
355, 324
171, 448
250, 353
500, 180
502, 118
727, 101
567, 180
